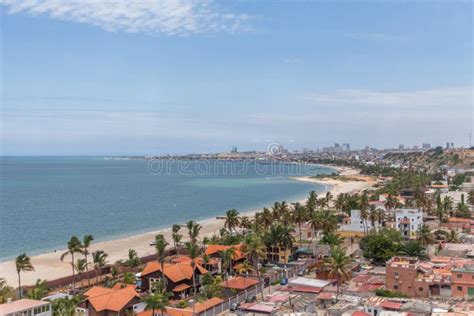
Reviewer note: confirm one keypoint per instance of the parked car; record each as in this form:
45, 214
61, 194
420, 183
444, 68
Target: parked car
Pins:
234, 307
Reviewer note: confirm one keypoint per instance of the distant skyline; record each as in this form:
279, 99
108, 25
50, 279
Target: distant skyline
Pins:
152, 77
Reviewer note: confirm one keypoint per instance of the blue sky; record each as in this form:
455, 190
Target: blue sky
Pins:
89, 77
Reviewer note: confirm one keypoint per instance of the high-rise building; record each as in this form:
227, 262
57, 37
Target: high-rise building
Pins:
452, 145
447, 145
401, 147
426, 146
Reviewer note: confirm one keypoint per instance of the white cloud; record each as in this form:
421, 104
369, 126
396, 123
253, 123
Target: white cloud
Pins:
169, 17
440, 97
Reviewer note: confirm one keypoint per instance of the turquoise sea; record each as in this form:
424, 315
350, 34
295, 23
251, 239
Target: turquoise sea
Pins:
45, 200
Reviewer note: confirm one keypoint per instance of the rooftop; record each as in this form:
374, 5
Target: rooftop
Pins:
20, 305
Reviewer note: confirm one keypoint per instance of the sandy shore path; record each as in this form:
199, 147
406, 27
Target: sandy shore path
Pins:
48, 266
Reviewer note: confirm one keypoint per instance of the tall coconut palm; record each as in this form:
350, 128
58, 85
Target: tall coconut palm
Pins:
391, 202
424, 235
86, 242
255, 249
193, 231
193, 253
364, 202
81, 266
299, 217
74, 246
381, 216
176, 237
311, 202
132, 258
99, 259
412, 248
245, 222
23, 264
373, 215
232, 220
340, 202
338, 264
286, 240
160, 246
267, 218
244, 269
227, 255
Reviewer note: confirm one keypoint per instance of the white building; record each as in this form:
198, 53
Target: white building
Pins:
408, 221
26, 307
356, 224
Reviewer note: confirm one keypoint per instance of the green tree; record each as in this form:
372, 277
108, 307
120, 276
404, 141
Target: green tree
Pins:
338, 264
86, 242
81, 265
227, 256
39, 291
74, 246
99, 259
193, 253
176, 237
65, 306
255, 249
193, 231
412, 248
232, 220
299, 217
160, 246
6, 291
380, 246
133, 260
424, 235
23, 264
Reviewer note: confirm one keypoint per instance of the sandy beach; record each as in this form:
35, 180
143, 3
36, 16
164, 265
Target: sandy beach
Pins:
48, 266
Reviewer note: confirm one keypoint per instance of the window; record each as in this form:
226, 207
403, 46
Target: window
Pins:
420, 289
459, 275
459, 288
396, 274
395, 287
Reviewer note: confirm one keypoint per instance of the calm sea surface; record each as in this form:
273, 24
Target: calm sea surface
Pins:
45, 200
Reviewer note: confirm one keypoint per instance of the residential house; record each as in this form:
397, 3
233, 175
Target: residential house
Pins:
178, 276
408, 221
214, 252
356, 224
116, 301
26, 307
463, 281
440, 186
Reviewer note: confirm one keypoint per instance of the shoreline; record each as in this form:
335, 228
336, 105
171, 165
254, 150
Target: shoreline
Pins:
48, 265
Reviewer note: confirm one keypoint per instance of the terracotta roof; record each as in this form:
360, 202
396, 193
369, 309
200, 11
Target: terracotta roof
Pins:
213, 249
391, 305
188, 311
360, 313
181, 287
174, 271
115, 300
239, 283
325, 296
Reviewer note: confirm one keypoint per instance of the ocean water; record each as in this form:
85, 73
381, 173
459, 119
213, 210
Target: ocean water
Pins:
45, 200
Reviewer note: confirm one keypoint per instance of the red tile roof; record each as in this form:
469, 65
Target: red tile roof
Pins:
239, 283
105, 299
302, 288
175, 272
213, 249
391, 305
181, 287
325, 296
360, 313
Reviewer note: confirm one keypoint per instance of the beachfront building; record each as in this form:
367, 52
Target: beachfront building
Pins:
178, 277
408, 221
356, 224
213, 252
26, 307
120, 300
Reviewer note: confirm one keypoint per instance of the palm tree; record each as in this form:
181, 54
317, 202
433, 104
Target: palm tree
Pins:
381, 216
373, 215
391, 202
99, 258
74, 245
244, 269
299, 217
364, 201
254, 248
23, 264
86, 242
338, 264
39, 291
311, 202
193, 253
452, 236
470, 197
156, 301
6, 291
176, 237
424, 235
65, 306
160, 247
226, 256
286, 239
364, 215
232, 220
133, 260
193, 231
244, 222
448, 204
340, 202
81, 265
412, 248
